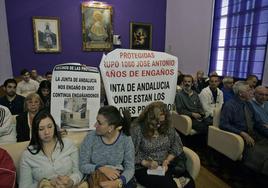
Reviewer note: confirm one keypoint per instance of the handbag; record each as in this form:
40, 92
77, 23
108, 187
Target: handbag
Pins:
178, 165
46, 183
95, 178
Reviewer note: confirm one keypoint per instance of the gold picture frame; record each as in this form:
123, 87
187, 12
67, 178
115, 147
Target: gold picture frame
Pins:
97, 30
140, 36
46, 32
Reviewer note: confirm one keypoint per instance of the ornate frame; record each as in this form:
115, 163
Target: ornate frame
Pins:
46, 32
140, 36
97, 27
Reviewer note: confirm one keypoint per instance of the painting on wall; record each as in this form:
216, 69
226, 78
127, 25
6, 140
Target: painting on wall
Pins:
97, 26
46, 32
140, 36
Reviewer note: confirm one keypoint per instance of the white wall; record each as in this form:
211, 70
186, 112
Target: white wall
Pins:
188, 31
5, 60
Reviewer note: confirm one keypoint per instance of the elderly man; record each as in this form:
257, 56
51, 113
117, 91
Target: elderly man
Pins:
260, 104
188, 103
227, 88
199, 82
238, 116
27, 85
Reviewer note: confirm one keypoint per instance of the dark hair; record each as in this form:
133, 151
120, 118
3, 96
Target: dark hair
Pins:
36, 144
188, 76
48, 72
214, 76
44, 84
180, 79
24, 71
11, 80
114, 117
149, 121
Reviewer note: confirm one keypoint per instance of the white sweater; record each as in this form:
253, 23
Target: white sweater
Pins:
207, 100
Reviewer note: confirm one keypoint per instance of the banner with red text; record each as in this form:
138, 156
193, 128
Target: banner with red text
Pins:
135, 78
75, 96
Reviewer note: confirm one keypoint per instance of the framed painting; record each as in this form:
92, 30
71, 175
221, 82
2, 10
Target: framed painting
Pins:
140, 36
97, 27
46, 32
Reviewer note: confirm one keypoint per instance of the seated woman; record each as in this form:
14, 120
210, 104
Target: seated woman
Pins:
109, 149
48, 159
44, 91
32, 104
157, 144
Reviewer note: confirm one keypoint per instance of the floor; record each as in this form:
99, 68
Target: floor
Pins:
218, 171
206, 179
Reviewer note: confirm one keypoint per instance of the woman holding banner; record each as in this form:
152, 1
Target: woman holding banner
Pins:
158, 146
108, 152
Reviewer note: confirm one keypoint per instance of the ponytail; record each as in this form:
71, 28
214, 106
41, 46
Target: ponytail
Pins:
114, 117
126, 122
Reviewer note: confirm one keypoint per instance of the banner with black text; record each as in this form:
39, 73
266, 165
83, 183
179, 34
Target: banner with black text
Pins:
75, 96
135, 78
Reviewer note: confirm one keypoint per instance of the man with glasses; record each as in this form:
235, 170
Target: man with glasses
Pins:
260, 104
227, 88
238, 116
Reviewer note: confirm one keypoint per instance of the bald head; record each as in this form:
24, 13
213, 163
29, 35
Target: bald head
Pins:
261, 94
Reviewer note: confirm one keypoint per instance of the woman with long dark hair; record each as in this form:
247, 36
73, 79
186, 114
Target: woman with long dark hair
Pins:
44, 92
48, 159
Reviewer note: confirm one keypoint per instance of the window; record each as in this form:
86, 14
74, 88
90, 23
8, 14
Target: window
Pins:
239, 39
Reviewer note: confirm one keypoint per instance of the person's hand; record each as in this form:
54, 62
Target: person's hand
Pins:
196, 115
165, 165
110, 173
248, 139
62, 182
109, 184
45, 183
151, 164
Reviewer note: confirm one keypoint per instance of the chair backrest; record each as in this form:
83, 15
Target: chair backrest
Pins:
216, 117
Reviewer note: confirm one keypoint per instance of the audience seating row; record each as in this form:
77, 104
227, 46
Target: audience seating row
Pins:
229, 144
15, 150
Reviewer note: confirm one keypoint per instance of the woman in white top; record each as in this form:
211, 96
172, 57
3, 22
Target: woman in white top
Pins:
48, 157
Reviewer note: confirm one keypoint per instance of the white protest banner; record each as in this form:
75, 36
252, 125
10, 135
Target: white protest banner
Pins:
135, 78
75, 96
